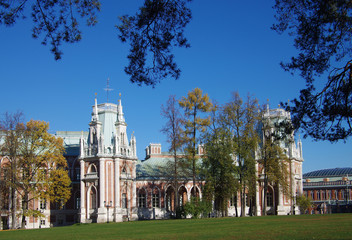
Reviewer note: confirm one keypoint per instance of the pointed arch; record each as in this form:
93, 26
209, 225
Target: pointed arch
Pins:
92, 168
170, 198
92, 198
155, 196
182, 195
142, 197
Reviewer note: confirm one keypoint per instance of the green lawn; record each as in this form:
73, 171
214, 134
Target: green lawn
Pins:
334, 226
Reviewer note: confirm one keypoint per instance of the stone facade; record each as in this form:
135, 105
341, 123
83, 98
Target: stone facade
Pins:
109, 183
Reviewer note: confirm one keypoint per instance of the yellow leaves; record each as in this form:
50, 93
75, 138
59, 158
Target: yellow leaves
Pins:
59, 188
195, 101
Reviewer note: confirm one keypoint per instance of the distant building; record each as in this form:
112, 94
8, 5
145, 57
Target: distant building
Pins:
109, 183
329, 190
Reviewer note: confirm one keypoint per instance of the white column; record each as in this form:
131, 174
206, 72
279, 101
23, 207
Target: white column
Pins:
83, 195
257, 204
101, 182
117, 183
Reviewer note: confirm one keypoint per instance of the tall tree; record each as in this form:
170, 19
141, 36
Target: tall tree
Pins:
242, 119
276, 133
173, 132
322, 36
40, 166
155, 29
43, 175
11, 128
194, 105
220, 181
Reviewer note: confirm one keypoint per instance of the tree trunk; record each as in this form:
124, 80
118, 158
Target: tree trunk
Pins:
24, 210
265, 194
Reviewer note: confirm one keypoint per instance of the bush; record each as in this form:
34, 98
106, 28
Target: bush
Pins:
303, 203
197, 208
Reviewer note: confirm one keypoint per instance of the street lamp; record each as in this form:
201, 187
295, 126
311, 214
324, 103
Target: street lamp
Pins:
347, 195
108, 206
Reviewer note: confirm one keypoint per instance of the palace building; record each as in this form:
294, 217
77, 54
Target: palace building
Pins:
110, 183
329, 190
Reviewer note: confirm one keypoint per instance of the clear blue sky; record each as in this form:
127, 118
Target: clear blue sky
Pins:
233, 49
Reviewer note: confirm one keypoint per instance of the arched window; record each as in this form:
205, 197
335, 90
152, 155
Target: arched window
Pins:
142, 198
269, 199
155, 198
93, 199
124, 200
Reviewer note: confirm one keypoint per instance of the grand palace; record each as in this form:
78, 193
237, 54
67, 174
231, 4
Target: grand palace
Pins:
110, 183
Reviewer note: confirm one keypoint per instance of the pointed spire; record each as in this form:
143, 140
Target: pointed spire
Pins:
95, 112
120, 117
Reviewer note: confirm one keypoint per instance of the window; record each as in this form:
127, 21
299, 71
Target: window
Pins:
336, 195
329, 195
78, 173
311, 195
141, 199
124, 200
156, 200
318, 195
269, 199
343, 194
43, 204
78, 203
323, 195
93, 199
42, 222
233, 200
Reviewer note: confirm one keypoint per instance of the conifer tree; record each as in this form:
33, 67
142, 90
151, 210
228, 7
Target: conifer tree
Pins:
194, 105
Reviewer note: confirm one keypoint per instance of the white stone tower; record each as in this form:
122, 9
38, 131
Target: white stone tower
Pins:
108, 167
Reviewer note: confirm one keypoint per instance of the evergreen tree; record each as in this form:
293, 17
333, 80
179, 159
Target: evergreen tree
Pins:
322, 35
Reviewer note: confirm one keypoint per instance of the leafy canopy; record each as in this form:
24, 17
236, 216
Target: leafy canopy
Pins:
322, 35
54, 21
155, 29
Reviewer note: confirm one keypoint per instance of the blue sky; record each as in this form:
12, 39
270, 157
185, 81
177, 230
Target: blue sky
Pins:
233, 49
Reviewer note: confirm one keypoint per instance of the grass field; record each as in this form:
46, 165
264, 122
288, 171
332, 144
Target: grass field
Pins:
334, 226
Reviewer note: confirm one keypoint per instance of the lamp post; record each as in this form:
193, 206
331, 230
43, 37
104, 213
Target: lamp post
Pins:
108, 206
347, 195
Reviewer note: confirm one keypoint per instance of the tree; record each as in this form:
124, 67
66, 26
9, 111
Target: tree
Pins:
323, 38
156, 28
276, 132
194, 104
56, 21
242, 119
43, 165
11, 128
220, 181
40, 170
303, 203
173, 131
